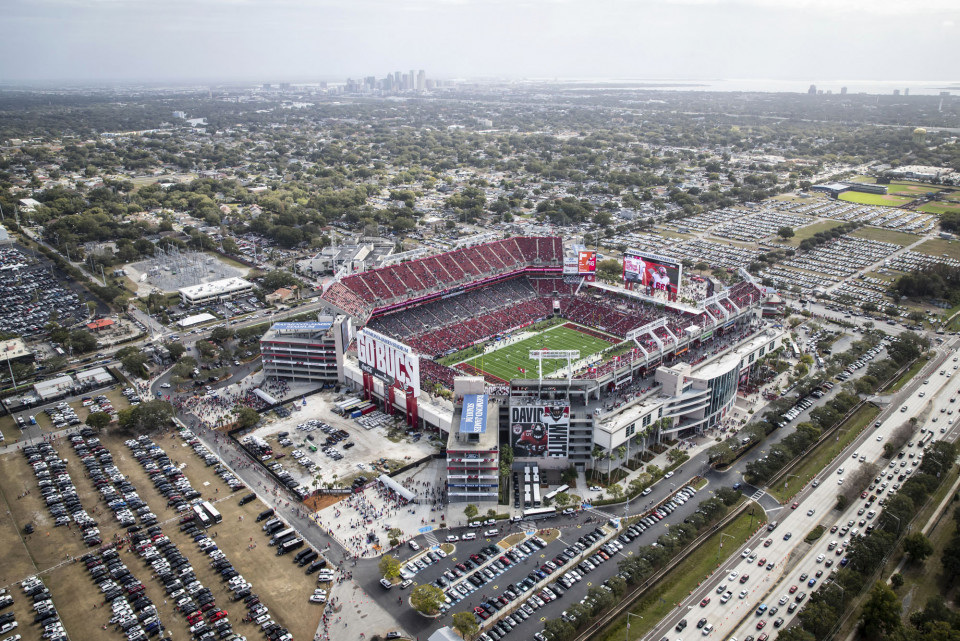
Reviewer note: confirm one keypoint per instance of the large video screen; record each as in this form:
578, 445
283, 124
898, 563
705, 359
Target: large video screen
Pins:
587, 263
652, 272
539, 431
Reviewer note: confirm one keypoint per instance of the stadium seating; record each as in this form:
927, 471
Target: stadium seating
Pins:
360, 294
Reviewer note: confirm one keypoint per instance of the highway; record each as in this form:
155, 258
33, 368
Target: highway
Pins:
784, 547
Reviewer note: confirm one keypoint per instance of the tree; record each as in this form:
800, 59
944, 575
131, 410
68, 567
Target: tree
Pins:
616, 490
558, 629
247, 417
426, 598
207, 350
896, 581
389, 566
610, 269
134, 361
563, 499
917, 546
950, 559
146, 417
785, 232
220, 335
470, 511
82, 341
881, 612
98, 420
176, 350
466, 624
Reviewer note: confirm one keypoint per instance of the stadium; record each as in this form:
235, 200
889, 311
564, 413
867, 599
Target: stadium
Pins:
522, 325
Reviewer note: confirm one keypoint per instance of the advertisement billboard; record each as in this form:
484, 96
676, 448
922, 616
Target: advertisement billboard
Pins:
587, 262
539, 431
388, 360
651, 272
570, 265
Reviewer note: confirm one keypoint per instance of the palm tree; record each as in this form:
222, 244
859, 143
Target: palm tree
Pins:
597, 454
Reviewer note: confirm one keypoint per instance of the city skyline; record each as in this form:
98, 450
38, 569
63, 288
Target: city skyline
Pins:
293, 40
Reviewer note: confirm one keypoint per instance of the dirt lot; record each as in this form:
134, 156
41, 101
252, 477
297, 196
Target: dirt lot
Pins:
283, 586
370, 445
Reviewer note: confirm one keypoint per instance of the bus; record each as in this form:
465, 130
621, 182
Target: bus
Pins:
552, 495
211, 511
539, 513
925, 438
526, 475
201, 516
526, 498
536, 496
282, 536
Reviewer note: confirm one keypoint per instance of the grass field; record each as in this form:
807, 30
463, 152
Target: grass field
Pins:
886, 235
910, 189
503, 363
906, 376
939, 208
939, 247
863, 179
807, 232
874, 199
677, 584
816, 460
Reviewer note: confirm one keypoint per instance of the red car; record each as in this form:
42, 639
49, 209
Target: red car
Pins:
768, 543
216, 616
705, 602
744, 578
793, 589
760, 624
762, 562
863, 495
795, 505
193, 618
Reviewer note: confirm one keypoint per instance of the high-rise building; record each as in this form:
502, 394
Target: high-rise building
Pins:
896, 92
812, 90
421, 81
397, 80
843, 91
906, 92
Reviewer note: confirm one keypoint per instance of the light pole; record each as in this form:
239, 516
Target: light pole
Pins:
627, 634
787, 478
721, 543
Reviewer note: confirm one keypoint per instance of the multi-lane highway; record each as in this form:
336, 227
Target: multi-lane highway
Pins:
779, 560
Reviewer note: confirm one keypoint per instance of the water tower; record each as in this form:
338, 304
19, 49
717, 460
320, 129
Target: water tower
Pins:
919, 135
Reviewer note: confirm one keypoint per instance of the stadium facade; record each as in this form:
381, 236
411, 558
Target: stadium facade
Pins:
671, 370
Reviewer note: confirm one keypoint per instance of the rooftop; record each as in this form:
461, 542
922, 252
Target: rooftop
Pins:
213, 288
13, 349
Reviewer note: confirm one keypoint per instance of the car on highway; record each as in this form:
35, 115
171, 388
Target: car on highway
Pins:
810, 512
705, 602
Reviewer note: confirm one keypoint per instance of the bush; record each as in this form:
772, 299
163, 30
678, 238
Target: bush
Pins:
815, 534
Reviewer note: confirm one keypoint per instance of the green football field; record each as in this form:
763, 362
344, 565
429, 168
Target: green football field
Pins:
503, 363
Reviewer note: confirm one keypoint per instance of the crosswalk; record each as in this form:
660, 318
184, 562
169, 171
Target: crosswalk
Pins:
431, 539
757, 495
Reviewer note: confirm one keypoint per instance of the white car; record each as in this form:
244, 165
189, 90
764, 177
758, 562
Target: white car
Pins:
493, 532
165, 386
733, 575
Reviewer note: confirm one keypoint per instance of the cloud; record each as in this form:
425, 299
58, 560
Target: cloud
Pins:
880, 7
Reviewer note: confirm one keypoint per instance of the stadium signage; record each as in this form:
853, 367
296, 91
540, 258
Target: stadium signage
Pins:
587, 263
388, 359
541, 430
473, 417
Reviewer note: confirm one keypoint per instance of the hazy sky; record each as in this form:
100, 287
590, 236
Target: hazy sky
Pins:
300, 40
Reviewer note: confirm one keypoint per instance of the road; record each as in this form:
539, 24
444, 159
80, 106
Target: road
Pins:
791, 556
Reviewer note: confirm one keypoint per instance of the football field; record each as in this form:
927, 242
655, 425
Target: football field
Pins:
505, 363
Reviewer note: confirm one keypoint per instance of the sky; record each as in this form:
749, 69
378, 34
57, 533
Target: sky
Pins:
81, 41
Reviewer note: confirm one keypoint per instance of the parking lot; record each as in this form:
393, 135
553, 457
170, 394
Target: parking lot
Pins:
372, 447
110, 466
31, 294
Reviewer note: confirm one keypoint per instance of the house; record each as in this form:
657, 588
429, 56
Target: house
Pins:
282, 295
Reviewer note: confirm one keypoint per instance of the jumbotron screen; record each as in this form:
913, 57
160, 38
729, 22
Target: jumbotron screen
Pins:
652, 272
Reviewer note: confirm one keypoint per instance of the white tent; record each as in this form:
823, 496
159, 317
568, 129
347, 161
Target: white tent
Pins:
396, 487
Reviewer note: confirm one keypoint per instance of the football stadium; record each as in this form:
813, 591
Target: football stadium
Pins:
548, 359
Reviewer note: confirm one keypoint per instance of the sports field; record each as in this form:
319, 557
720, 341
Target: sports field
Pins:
873, 199
504, 362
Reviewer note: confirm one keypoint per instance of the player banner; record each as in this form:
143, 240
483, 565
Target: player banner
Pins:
539, 431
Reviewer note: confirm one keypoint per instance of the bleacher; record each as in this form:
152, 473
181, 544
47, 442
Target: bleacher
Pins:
360, 294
